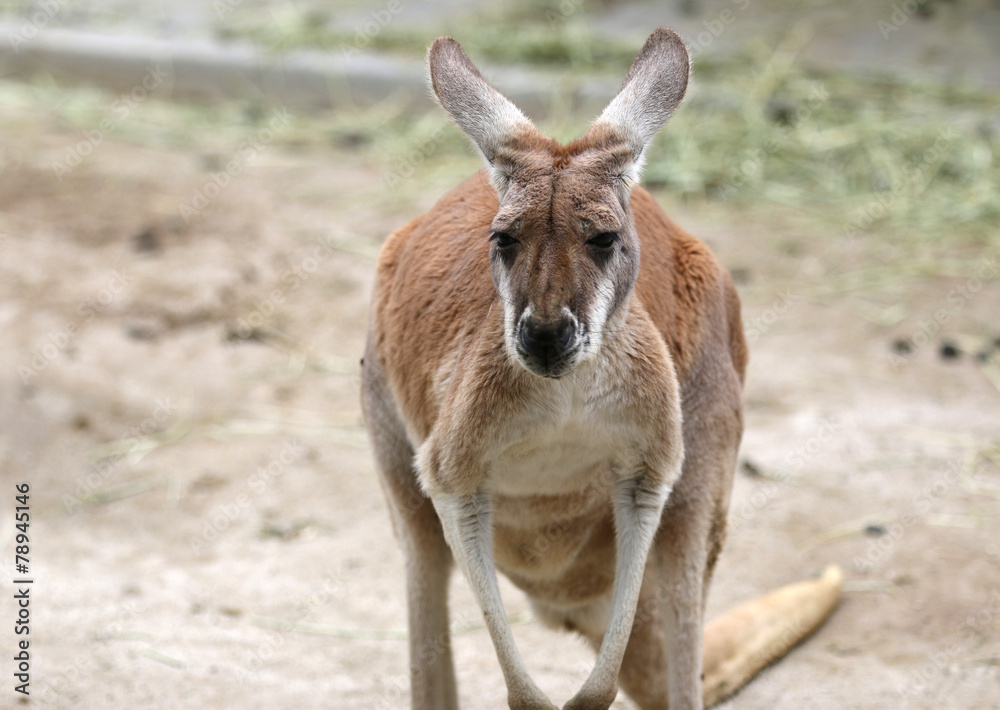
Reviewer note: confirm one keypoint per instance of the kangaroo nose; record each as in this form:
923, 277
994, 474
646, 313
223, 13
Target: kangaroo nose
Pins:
547, 340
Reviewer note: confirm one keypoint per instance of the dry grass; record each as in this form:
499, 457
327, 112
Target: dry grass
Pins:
870, 158
913, 160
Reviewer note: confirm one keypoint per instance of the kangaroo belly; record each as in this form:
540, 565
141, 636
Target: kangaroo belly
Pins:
558, 549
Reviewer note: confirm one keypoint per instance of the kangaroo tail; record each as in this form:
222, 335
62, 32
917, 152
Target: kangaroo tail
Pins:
743, 641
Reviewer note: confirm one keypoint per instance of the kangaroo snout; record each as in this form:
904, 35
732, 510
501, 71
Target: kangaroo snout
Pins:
547, 347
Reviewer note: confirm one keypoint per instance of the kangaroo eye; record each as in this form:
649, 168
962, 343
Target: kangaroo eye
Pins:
604, 240
503, 240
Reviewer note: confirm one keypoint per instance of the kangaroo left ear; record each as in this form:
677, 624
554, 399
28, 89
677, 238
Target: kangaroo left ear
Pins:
653, 89
494, 124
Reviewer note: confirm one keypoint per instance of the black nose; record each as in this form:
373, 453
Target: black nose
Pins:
547, 341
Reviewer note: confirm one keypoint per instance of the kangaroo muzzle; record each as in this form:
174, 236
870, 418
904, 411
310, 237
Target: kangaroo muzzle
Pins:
548, 347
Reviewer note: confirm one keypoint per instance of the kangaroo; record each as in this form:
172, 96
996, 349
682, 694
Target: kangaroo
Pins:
550, 358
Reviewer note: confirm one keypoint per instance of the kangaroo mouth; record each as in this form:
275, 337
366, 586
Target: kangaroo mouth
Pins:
551, 363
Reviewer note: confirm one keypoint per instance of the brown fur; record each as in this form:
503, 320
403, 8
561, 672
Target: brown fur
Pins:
445, 264
478, 356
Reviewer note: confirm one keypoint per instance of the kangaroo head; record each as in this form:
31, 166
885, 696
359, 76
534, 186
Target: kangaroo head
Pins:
565, 253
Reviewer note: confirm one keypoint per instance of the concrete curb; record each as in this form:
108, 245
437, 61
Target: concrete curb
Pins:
303, 80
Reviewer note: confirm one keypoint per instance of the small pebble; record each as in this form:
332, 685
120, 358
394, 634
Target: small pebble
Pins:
741, 276
140, 331
352, 139
238, 335
949, 351
875, 530
147, 241
902, 346
781, 111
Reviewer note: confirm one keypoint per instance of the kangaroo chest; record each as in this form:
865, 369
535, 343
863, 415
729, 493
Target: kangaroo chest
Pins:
569, 440
563, 455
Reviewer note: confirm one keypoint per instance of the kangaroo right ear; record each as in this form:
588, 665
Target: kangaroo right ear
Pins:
485, 115
651, 92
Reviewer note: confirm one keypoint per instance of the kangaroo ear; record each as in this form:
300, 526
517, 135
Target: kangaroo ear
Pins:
487, 117
651, 92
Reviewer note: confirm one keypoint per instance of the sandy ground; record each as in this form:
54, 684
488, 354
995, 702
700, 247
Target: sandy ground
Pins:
207, 528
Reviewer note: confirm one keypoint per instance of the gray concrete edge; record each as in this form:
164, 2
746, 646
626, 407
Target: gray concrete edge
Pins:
299, 80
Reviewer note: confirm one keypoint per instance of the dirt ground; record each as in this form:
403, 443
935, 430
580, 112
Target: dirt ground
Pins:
181, 393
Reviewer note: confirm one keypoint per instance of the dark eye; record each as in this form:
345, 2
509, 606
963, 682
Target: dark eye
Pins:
503, 240
604, 240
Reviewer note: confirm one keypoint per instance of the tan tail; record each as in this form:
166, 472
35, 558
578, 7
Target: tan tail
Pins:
743, 641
